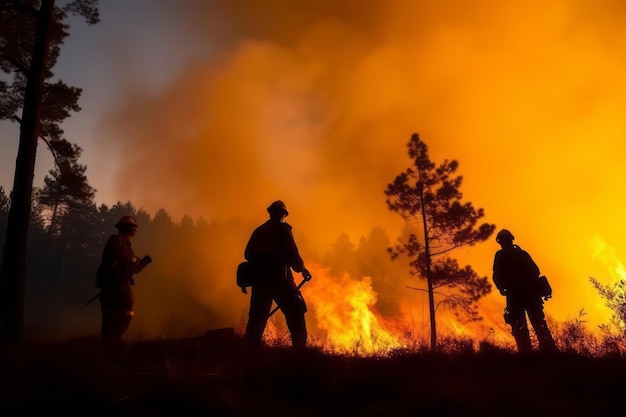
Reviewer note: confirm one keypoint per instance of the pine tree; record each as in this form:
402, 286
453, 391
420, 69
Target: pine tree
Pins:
31, 33
66, 194
428, 195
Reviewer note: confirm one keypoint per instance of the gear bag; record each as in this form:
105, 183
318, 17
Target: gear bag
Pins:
245, 275
542, 287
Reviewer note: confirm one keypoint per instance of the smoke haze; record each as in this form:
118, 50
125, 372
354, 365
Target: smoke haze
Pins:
314, 103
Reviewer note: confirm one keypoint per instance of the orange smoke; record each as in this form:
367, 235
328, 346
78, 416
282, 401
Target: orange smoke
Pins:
615, 270
314, 105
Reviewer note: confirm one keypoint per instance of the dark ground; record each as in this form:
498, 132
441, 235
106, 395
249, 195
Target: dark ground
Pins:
218, 375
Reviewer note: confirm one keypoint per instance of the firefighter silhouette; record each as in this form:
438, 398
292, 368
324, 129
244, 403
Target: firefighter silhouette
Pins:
516, 276
273, 254
115, 277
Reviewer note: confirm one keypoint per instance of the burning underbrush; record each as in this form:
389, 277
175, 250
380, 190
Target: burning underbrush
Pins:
343, 318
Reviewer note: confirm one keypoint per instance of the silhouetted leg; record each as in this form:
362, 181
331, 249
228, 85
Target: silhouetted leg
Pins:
115, 322
293, 306
519, 327
116, 306
125, 320
260, 304
107, 331
538, 321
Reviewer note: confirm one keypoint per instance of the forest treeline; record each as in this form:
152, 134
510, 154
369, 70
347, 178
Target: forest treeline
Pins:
56, 232
187, 290
190, 287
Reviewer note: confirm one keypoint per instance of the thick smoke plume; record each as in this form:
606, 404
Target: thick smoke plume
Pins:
314, 103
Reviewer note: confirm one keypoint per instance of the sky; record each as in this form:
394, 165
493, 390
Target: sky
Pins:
216, 108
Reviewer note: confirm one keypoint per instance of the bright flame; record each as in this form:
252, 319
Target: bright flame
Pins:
343, 319
344, 312
459, 329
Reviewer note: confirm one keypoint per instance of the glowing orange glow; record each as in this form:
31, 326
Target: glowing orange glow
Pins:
344, 313
528, 97
616, 272
343, 319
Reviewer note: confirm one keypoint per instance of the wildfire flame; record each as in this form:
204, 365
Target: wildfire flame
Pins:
343, 319
344, 312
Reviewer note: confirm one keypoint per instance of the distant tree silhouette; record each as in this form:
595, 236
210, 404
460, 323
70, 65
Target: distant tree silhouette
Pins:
183, 294
371, 253
66, 192
369, 258
341, 258
429, 195
31, 33
373, 260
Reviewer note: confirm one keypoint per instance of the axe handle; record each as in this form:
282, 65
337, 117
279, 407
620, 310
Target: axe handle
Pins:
93, 299
304, 281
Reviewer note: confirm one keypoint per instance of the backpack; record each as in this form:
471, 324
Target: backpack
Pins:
542, 287
245, 275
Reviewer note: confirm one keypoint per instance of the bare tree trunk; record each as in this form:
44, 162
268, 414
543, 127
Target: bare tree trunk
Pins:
429, 282
429, 275
431, 304
53, 220
13, 271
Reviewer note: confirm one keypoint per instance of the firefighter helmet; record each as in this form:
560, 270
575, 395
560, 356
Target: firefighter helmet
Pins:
504, 234
127, 221
278, 207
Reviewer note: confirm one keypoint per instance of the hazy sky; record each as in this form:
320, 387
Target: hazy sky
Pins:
217, 108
